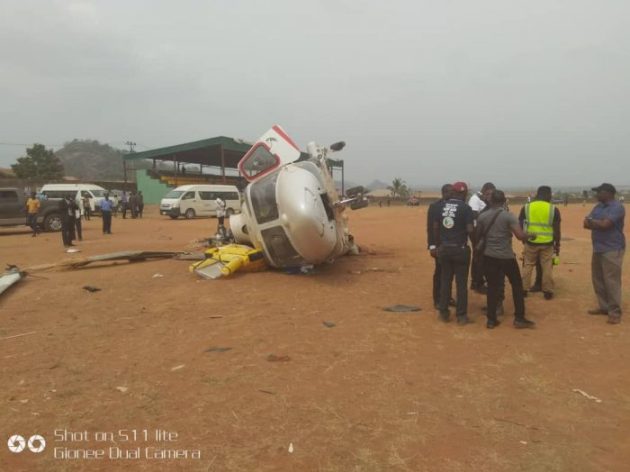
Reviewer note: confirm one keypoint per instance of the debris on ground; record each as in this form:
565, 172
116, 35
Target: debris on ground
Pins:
18, 335
329, 324
218, 349
372, 269
73, 250
266, 391
91, 288
275, 358
158, 275
178, 367
191, 256
402, 308
129, 256
122, 389
11, 276
225, 260
584, 394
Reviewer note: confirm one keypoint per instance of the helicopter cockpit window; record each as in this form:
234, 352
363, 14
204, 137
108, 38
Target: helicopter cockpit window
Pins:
258, 161
263, 196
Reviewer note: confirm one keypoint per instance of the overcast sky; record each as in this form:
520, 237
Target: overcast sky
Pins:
520, 92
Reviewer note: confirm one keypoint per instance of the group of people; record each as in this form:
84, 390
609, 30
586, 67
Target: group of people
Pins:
72, 211
71, 228
485, 221
134, 203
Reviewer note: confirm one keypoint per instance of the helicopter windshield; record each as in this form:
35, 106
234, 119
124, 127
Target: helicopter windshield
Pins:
258, 160
263, 196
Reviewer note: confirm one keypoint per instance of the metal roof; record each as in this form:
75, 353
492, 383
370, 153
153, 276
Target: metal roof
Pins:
206, 152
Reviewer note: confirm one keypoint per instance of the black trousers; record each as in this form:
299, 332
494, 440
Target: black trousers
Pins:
107, 222
437, 276
477, 271
66, 235
495, 271
454, 261
77, 224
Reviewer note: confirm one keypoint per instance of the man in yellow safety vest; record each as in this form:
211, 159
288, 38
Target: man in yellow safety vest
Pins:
542, 219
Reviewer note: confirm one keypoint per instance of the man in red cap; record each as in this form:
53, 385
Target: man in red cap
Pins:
452, 226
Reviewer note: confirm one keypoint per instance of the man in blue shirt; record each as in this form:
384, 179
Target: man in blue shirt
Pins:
106, 212
609, 244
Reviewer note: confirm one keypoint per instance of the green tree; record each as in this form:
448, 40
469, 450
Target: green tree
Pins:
398, 188
38, 164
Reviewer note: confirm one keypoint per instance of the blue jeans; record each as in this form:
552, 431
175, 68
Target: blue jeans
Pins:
31, 220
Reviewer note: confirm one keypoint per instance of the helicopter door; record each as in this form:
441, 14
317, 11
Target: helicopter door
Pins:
272, 150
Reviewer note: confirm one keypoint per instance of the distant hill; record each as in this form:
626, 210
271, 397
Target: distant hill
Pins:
91, 160
376, 184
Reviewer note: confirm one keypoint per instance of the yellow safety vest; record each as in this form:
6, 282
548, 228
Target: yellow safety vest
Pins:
539, 221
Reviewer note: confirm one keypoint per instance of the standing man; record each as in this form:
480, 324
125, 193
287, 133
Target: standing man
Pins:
495, 228
77, 217
32, 209
478, 202
451, 229
124, 201
106, 212
221, 215
606, 222
87, 207
67, 223
433, 214
541, 219
133, 204
140, 203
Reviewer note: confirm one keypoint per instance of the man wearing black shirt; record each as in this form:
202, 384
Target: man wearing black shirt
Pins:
452, 227
433, 214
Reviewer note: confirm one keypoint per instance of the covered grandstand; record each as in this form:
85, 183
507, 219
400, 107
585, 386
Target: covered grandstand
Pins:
211, 160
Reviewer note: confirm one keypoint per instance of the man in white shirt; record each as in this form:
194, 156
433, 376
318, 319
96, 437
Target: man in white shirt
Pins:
478, 203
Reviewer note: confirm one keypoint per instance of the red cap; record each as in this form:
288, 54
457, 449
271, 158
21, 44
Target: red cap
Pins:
460, 187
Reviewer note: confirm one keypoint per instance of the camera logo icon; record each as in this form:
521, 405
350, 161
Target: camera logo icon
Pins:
36, 443
16, 443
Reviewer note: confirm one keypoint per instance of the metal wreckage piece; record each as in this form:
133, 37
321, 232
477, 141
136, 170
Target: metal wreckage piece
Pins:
292, 213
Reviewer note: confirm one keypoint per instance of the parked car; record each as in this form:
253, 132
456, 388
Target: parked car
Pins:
413, 201
200, 200
13, 210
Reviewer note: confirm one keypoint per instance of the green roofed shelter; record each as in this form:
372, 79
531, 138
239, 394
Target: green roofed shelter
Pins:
220, 153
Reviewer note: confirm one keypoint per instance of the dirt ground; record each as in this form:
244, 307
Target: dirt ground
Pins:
379, 391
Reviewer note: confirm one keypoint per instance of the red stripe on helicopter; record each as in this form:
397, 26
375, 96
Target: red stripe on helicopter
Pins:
284, 136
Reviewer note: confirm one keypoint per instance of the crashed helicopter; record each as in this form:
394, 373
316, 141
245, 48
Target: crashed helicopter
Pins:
292, 212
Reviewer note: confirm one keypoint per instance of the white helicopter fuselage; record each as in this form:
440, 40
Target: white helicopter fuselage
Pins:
293, 214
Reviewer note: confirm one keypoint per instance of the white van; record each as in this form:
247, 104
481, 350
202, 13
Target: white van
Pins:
200, 200
79, 191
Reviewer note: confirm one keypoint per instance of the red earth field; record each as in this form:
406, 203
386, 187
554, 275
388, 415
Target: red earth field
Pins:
378, 391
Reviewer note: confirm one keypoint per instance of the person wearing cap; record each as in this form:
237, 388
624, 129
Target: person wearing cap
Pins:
542, 219
495, 228
479, 202
605, 222
433, 213
452, 227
